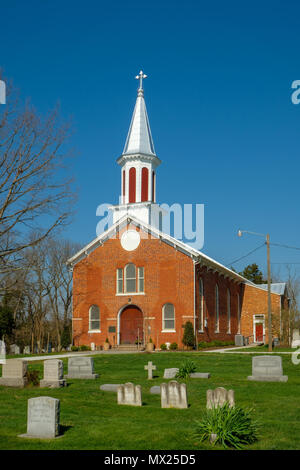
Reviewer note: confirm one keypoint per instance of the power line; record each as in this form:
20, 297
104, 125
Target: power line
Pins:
248, 254
286, 246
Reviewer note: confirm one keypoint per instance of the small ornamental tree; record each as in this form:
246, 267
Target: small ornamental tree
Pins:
188, 335
65, 337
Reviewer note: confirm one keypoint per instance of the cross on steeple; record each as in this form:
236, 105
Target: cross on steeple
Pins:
140, 77
150, 368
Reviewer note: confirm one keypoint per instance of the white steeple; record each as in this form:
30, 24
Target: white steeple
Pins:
139, 138
138, 164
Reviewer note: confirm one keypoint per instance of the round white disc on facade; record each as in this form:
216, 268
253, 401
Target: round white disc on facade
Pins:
130, 240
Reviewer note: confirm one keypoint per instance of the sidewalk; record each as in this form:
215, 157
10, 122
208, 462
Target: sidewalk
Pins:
74, 354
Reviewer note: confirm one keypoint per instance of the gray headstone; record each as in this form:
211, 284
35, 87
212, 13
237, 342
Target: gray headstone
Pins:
14, 349
130, 394
155, 390
239, 340
2, 352
173, 395
81, 368
218, 397
200, 375
26, 350
171, 373
53, 374
296, 339
150, 368
14, 373
42, 418
110, 387
267, 369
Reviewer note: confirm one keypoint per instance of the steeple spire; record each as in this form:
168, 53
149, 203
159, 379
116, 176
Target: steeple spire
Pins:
139, 139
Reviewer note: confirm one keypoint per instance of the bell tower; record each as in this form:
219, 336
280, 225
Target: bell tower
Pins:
138, 164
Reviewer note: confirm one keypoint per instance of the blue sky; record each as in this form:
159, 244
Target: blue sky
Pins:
218, 95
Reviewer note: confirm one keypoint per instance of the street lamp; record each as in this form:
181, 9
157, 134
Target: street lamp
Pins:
267, 237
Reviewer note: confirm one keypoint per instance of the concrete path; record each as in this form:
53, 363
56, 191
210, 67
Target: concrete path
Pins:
74, 354
241, 350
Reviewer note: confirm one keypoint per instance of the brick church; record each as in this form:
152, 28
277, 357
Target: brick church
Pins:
135, 282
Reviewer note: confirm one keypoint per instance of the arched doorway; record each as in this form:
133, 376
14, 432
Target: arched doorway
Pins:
131, 325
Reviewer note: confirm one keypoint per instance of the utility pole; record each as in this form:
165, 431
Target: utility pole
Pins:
269, 295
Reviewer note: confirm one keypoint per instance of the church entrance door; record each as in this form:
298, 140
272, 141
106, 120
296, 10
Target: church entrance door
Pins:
131, 325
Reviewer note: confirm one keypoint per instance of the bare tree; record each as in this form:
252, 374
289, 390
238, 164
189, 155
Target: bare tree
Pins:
35, 194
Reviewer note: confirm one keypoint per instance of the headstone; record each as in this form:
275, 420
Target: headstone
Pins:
26, 350
14, 373
129, 394
239, 340
81, 368
171, 373
218, 397
155, 390
150, 368
173, 395
53, 374
93, 347
267, 369
2, 352
109, 387
296, 339
14, 349
200, 375
42, 418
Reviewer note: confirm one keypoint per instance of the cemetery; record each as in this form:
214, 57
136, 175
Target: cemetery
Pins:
117, 397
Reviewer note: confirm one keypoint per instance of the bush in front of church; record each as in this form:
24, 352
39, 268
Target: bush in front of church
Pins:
188, 335
173, 346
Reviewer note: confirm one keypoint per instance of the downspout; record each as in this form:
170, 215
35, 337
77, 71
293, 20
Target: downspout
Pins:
195, 332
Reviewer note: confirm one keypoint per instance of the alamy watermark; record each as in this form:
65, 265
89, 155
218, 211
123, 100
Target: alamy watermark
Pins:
185, 222
2, 92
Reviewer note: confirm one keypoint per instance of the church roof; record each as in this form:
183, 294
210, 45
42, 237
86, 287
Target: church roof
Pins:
197, 256
139, 139
276, 287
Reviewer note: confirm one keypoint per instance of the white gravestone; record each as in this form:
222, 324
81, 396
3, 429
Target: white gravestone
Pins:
81, 368
2, 352
171, 373
218, 397
267, 369
26, 350
14, 349
130, 394
93, 347
173, 395
14, 373
53, 374
150, 368
296, 339
42, 418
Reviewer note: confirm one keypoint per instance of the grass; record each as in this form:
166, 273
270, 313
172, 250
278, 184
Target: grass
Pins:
91, 419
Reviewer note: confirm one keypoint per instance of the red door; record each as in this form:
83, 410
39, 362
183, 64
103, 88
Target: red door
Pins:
131, 325
259, 332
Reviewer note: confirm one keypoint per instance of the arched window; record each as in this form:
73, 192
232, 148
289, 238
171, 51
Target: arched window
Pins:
94, 318
217, 309
201, 305
130, 278
239, 312
228, 312
132, 185
145, 179
168, 317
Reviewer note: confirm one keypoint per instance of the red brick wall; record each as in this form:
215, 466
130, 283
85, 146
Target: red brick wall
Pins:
210, 279
168, 274
255, 302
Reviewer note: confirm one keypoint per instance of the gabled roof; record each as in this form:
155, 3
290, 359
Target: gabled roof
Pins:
196, 255
276, 287
139, 139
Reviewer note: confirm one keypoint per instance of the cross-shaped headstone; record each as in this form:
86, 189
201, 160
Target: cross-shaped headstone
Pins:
150, 367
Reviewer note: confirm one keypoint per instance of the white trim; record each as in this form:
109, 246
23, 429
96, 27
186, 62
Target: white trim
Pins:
94, 331
128, 294
168, 331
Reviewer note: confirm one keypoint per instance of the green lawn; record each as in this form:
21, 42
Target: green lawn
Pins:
91, 419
